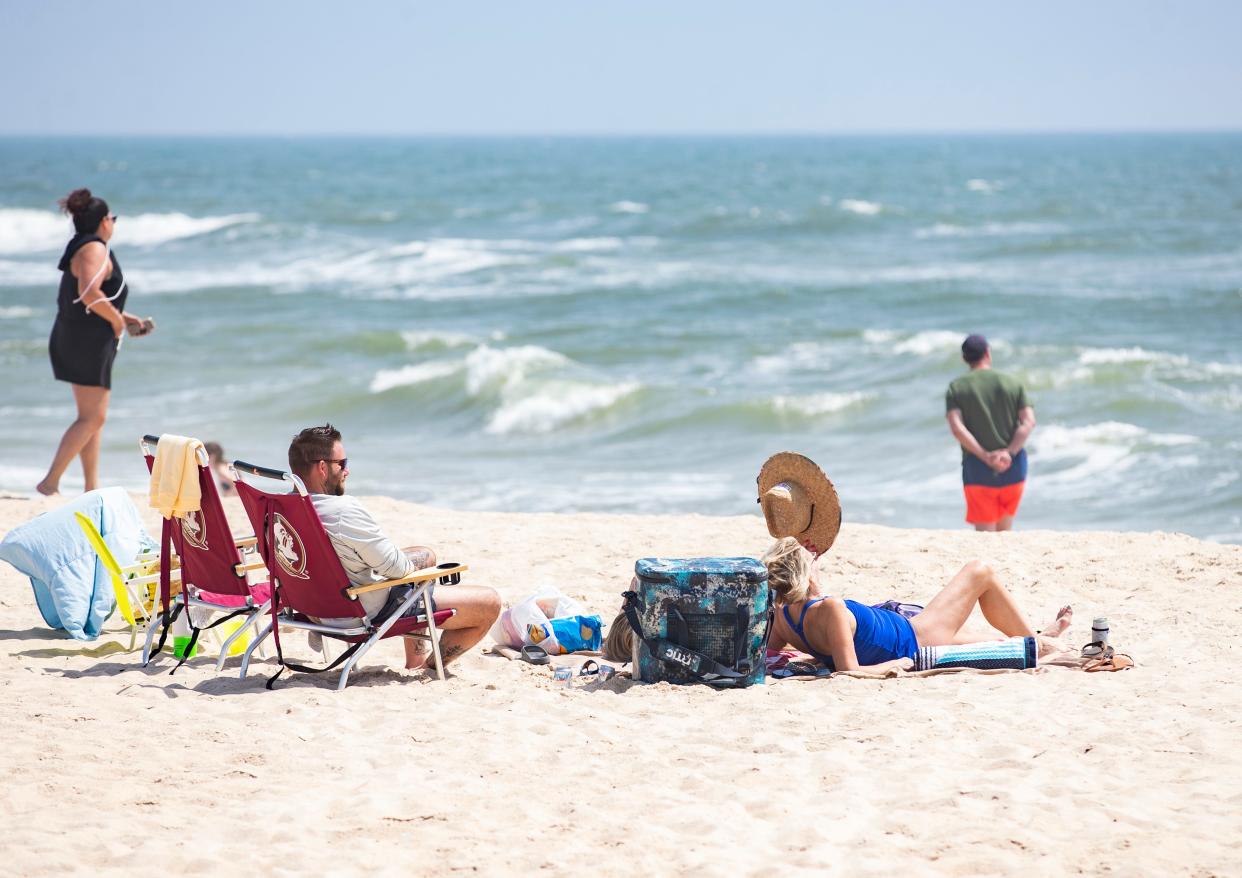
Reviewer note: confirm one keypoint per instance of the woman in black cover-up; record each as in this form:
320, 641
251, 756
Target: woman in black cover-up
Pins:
90, 321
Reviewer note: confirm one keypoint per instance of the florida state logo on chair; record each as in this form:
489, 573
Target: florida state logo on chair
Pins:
193, 531
290, 552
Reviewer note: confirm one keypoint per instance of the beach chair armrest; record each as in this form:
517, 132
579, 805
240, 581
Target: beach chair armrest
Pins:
243, 569
245, 542
174, 576
427, 573
144, 564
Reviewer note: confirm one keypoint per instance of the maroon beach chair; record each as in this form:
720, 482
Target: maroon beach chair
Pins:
214, 574
310, 583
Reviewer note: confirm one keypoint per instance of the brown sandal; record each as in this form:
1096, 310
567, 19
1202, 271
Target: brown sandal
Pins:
1109, 661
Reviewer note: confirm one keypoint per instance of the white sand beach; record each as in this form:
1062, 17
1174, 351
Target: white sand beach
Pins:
109, 768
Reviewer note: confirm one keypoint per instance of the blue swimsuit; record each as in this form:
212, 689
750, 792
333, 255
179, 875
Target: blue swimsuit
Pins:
880, 635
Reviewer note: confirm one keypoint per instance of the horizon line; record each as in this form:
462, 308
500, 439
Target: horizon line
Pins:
616, 135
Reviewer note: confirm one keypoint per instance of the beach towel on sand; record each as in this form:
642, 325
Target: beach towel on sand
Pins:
72, 588
992, 656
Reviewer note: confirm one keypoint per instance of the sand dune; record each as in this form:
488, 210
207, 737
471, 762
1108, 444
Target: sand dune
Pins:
111, 768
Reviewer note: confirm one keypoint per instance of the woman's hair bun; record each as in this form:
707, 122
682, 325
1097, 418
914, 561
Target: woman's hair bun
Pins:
76, 201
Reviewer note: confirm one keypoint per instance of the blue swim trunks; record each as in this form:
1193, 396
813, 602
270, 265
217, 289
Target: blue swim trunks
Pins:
976, 472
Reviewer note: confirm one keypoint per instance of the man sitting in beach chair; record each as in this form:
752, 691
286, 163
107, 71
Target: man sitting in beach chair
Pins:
318, 458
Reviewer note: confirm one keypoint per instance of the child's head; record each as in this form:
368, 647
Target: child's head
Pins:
215, 453
789, 570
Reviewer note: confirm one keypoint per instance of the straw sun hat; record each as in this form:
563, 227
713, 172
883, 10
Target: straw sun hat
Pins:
799, 501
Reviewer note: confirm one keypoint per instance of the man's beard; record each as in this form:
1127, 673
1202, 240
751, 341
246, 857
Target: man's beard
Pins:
336, 488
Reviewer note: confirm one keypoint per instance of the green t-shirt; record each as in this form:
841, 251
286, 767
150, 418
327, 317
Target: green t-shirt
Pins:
990, 402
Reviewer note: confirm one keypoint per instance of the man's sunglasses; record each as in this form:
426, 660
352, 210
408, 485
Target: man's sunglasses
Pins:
114, 217
344, 462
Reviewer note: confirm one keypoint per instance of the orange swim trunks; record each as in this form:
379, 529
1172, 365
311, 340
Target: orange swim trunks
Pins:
988, 505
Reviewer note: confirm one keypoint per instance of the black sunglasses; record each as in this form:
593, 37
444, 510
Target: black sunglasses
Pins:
113, 217
344, 462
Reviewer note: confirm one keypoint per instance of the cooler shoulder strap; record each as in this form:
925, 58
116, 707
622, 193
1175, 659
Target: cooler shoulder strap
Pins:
679, 655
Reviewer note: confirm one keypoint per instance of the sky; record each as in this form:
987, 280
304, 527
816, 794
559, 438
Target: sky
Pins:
466, 67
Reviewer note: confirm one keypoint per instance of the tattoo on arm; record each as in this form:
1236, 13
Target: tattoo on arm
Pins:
420, 557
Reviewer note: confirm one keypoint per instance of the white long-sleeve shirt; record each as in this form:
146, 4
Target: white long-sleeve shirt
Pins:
366, 554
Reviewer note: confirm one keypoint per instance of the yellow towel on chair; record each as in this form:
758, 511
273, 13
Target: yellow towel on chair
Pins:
174, 476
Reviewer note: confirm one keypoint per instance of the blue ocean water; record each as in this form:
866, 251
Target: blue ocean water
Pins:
636, 324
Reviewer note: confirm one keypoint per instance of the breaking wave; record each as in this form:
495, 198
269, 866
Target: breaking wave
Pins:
23, 230
818, 404
860, 207
420, 373
556, 404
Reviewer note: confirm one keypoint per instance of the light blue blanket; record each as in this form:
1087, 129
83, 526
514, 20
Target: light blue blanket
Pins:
71, 586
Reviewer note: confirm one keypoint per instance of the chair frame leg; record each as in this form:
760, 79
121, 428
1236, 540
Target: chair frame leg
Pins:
156, 625
254, 644
433, 634
353, 660
382, 630
255, 614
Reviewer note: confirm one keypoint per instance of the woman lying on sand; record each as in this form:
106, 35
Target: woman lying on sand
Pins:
848, 636
801, 509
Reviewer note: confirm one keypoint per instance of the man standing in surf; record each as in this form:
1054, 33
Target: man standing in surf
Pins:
990, 416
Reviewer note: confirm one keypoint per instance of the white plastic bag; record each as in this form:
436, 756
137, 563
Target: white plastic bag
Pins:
529, 620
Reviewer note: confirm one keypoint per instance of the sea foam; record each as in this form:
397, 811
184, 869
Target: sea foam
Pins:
860, 207
22, 479
929, 341
1096, 451
23, 230
817, 404
17, 273
1167, 365
419, 373
555, 405
32, 231
588, 245
419, 264
988, 230
1098, 356
987, 187
801, 355
492, 369
149, 229
421, 339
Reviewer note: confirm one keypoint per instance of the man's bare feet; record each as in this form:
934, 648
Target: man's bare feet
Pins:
416, 655
1061, 624
47, 490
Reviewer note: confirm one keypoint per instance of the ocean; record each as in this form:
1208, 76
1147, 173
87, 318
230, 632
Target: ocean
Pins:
636, 324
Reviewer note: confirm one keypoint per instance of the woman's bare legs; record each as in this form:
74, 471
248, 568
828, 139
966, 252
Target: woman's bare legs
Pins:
1060, 624
83, 437
90, 460
1046, 641
940, 624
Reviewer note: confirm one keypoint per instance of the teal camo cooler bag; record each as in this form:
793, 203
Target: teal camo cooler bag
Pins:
700, 620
